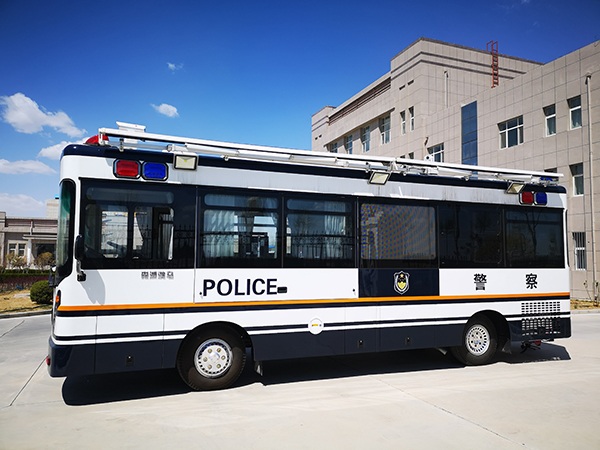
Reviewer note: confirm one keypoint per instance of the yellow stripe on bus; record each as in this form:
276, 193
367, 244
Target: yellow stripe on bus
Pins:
306, 302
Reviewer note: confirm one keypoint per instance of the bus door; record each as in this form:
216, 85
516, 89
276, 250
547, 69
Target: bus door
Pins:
136, 253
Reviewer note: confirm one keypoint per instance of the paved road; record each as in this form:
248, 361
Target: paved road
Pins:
544, 399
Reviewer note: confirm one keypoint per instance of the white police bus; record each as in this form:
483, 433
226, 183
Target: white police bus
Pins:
176, 252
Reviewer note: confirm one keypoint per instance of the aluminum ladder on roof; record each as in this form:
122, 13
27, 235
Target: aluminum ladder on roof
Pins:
135, 137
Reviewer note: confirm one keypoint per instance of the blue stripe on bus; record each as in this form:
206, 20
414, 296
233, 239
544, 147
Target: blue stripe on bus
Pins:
298, 327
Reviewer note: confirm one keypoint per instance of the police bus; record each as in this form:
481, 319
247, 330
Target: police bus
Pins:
188, 253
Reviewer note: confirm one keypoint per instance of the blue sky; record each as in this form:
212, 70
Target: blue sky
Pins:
237, 71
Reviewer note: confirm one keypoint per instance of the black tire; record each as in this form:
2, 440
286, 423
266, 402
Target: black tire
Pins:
211, 358
479, 342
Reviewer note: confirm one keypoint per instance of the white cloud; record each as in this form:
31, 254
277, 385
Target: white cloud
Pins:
175, 67
167, 110
25, 116
21, 205
54, 151
21, 167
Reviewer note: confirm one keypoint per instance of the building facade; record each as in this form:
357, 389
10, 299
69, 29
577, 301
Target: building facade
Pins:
29, 236
457, 104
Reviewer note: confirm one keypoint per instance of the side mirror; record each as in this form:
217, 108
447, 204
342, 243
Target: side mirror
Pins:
79, 248
79, 256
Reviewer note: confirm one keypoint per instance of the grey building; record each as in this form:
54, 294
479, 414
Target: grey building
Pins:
29, 236
465, 105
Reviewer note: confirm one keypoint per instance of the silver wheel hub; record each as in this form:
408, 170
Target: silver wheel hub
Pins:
477, 340
213, 358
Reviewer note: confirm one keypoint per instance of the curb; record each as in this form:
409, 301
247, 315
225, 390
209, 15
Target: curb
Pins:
25, 314
585, 311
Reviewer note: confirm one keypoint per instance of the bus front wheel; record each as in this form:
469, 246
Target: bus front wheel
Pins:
479, 342
211, 358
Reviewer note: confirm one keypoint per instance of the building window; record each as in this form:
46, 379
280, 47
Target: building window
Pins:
403, 122
411, 112
577, 174
579, 245
384, 128
411, 155
333, 147
511, 132
348, 144
550, 113
365, 138
552, 170
469, 133
17, 248
436, 153
575, 112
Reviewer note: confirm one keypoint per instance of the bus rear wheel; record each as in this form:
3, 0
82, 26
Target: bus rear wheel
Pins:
211, 358
479, 342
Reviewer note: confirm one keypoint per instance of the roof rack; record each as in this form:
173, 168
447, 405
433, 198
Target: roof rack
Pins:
134, 137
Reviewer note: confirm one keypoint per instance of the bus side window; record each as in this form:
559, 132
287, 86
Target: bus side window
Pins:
105, 231
319, 233
470, 235
397, 235
534, 238
240, 230
153, 233
128, 227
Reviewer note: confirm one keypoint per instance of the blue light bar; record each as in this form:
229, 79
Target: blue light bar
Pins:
154, 171
541, 198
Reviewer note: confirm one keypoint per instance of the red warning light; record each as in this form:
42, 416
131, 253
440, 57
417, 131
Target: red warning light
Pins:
96, 139
526, 198
127, 169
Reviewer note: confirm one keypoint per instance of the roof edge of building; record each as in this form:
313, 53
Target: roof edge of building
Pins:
435, 41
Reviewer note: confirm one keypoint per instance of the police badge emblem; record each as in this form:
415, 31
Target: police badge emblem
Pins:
401, 282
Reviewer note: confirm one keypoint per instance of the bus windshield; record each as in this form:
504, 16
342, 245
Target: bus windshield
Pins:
64, 247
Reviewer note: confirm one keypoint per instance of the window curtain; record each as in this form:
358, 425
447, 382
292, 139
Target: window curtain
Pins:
219, 232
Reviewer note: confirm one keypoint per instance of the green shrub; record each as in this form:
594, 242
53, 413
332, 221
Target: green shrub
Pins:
41, 292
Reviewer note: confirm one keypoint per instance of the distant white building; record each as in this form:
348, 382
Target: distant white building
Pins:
29, 236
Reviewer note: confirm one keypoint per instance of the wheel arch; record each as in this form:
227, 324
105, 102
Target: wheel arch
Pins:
501, 326
221, 325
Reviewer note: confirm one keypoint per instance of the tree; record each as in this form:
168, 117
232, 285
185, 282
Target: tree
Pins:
16, 261
44, 260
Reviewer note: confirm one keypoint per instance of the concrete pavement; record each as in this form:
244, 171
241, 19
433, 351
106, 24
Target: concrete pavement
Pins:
544, 398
